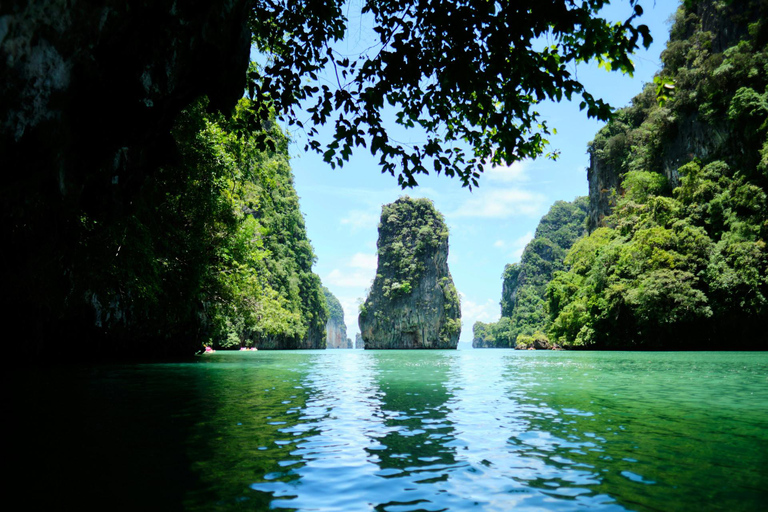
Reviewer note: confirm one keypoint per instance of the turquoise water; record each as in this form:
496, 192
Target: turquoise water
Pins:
399, 431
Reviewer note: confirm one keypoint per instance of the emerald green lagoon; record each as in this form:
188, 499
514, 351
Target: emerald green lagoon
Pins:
396, 431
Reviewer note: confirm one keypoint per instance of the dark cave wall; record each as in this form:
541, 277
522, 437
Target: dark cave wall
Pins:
88, 96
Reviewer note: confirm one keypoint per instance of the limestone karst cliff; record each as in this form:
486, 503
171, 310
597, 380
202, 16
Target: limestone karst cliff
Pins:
708, 42
413, 302
359, 341
89, 94
524, 284
335, 328
676, 256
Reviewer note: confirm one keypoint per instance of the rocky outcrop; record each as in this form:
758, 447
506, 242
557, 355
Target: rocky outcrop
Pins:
689, 137
336, 334
604, 185
413, 303
335, 328
536, 341
359, 341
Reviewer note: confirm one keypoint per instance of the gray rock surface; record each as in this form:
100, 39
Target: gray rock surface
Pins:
335, 327
336, 334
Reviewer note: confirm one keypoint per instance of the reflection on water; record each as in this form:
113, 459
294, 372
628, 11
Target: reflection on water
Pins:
371, 422
404, 431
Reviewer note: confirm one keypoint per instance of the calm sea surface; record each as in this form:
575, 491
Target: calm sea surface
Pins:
397, 431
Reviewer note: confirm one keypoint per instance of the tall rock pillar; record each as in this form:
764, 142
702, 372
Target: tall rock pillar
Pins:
413, 302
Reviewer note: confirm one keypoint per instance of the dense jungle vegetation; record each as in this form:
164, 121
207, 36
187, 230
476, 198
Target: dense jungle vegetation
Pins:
681, 261
221, 230
678, 259
264, 292
524, 284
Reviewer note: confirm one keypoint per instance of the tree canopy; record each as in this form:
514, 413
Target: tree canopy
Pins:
467, 73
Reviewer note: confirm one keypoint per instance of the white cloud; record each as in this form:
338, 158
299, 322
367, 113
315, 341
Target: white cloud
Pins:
357, 272
359, 220
349, 279
499, 243
501, 203
472, 312
516, 172
365, 261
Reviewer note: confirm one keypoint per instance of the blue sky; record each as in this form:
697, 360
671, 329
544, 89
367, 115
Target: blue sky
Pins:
489, 226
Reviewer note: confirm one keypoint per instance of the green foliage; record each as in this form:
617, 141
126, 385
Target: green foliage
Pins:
681, 261
529, 341
150, 273
640, 185
493, 335
335, 311
665, 88
409, 228
523, 300
524, 342
450, 330
484, 95
259, 287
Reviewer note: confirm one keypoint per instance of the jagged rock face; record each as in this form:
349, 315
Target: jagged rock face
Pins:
336, 334
509, 287
604, 185
413, 302
89, 93
315, 339
359, 341
692, 138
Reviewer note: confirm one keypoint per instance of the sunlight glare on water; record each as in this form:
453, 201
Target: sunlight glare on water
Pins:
496, 430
